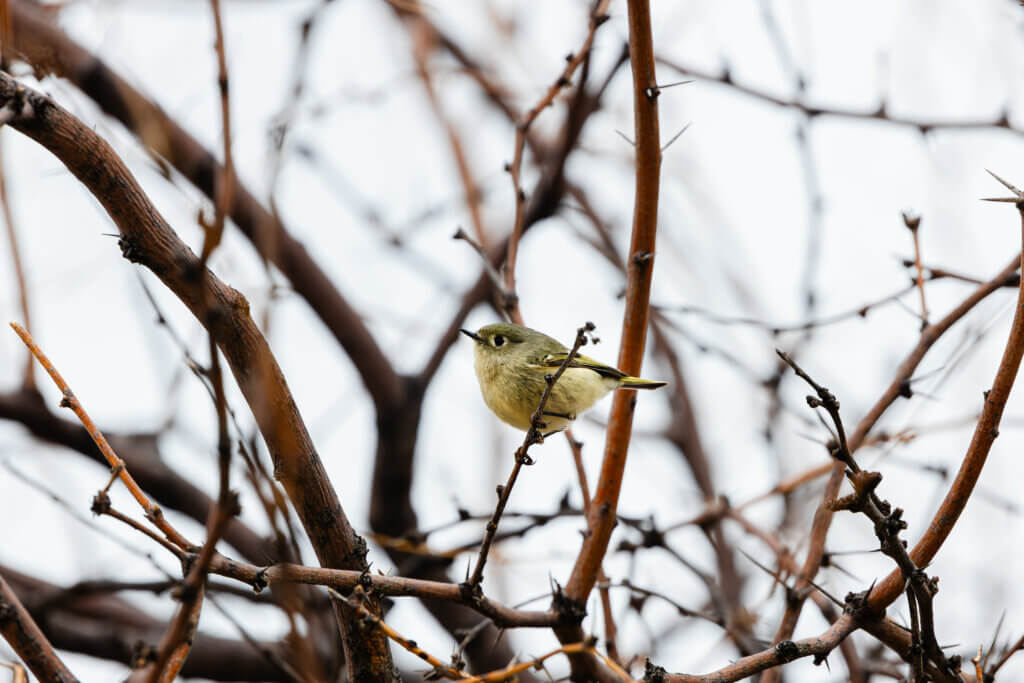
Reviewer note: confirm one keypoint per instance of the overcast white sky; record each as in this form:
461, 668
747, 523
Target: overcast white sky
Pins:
733, 236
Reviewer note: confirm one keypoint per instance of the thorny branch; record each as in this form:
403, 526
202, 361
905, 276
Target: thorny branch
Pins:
888, 523
638, 289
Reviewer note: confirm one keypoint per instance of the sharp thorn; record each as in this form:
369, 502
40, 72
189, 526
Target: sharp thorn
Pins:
1008, 186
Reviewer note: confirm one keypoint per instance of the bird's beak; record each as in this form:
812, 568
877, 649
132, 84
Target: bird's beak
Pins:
472, 335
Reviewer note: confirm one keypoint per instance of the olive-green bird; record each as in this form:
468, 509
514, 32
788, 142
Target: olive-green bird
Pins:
511, 362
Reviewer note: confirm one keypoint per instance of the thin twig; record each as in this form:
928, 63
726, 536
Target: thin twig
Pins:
913, 224
881, 113
603, 583
778, 328
424, 36
101, 506
29, 378
570, 649
489, 269
177, 640
225, 179
533, 435
440, 669
153, 512
597, 17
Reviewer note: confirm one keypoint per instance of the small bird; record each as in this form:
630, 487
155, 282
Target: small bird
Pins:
511, 362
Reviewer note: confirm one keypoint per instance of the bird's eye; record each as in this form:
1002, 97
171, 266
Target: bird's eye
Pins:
499, 340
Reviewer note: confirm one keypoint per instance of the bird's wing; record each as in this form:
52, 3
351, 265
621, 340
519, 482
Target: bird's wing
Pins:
554, 360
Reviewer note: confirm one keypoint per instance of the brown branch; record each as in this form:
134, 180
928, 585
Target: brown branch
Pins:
394, 586
684, 434
23, 635
786, 651
602, 519
174, 646
638, 288
146, 238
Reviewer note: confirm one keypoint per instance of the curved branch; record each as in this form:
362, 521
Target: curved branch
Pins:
786, 651
146, 238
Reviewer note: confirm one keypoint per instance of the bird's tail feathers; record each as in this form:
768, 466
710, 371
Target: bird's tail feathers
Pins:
638, 383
